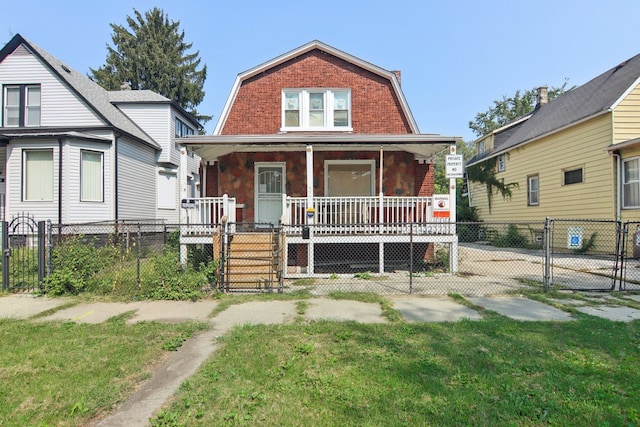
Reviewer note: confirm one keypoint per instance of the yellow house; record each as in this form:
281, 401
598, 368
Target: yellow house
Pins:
575, 157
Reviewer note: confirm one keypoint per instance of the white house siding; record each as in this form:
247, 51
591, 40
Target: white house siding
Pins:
59, 106
155, 120
581, 146
41, 211
136, 181
75, 210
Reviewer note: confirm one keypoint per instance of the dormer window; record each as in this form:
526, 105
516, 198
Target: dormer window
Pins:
21, 106
316, 109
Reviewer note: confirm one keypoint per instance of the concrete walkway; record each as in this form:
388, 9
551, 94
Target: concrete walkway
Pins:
181, 364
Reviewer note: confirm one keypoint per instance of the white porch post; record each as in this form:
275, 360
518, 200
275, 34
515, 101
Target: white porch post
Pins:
182, 182
381, 194
310, 219
453, 255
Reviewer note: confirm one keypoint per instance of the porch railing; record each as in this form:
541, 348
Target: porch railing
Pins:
374, 214
204, 214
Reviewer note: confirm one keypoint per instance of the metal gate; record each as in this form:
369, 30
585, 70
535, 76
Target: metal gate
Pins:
23, 254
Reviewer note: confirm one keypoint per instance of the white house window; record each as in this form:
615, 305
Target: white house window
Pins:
21, 105
182, 129
480, 147
631, 183
313, 109
346, 178
91, 178
572, 176
37, 175
533, 194
167, 183
502, 163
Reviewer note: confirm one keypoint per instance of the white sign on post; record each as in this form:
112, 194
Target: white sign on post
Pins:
454, 167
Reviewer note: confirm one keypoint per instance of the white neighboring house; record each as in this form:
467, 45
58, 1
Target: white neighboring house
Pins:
74, 152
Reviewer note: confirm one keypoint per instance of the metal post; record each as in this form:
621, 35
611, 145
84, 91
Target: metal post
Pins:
547, 254
411, 258
138, 256
5, 255
42, 235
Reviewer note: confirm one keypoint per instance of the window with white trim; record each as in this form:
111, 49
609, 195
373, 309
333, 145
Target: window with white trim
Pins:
631, 183
21, 106
533, 190
480, 147
91, 176
346, 178
313, 109
37, 175
167, 183
502, 163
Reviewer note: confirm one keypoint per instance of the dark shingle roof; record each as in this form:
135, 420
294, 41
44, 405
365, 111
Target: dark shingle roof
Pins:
592, 98
94, 95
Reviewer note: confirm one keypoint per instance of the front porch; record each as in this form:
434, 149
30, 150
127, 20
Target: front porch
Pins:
362, 227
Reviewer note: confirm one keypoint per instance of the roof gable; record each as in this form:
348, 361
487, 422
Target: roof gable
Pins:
90, 92
598, 96
302, 51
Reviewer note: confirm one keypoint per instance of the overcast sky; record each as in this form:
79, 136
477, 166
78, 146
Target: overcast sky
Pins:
455, 56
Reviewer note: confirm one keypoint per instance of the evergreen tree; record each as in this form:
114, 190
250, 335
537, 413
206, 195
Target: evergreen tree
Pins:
152, 54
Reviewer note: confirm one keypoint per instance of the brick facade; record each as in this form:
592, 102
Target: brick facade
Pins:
257, 109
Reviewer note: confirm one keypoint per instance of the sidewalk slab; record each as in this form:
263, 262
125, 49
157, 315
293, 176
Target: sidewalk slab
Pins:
519, 308
97, 312
23, 306
614, 313
344, 311
173, 311
253, 313
418, 309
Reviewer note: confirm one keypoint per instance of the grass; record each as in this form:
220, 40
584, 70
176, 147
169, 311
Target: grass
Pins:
494, 372
63, 373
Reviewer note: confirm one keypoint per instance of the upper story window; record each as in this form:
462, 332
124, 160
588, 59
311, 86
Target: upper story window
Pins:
480, 148
502, 163
21, 105
316, 109
182, 129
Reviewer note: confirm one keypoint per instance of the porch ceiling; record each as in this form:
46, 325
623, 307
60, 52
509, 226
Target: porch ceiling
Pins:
210, 147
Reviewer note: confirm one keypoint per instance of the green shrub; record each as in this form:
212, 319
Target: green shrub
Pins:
512, 239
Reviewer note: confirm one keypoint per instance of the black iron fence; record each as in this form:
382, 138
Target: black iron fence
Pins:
157, 260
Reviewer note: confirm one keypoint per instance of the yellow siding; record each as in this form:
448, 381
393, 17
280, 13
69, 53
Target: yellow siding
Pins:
626, 117
580, 146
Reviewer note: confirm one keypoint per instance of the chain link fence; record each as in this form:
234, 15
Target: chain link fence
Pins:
156, 260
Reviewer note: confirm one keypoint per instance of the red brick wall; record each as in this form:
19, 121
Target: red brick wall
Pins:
257, 107
424, 179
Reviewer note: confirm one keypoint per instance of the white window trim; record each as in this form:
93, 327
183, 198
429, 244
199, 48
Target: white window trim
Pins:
101, 198
370, 162
24, 174
624, 182
303, 109
502, 162
529, 202
163, 202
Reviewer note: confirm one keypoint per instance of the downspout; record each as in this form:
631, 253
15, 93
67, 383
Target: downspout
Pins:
616, 155
59, 180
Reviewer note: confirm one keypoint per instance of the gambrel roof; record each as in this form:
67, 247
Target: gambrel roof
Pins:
313, 45
598, 96
94, 96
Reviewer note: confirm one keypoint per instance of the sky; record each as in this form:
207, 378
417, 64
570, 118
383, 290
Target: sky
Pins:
456, 56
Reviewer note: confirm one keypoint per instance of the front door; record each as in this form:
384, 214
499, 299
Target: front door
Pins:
269, 187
